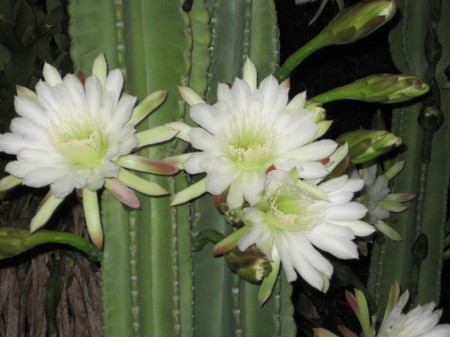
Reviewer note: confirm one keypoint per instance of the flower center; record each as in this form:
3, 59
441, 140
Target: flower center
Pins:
250, 143
79, 141
293, 210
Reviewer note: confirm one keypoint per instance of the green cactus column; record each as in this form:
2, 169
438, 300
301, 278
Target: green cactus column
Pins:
153, 285
419, 46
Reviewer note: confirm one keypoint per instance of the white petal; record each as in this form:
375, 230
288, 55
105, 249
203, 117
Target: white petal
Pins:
42, 176
202, 140
240, 93
335, 240
253, 187
298, 102
205, 116
123, 110
51, 75
235, 196
275, 98
360, 228
311, 170
93, 90
314, 151
249, 74
218, 181
114, 84
195, 162
350, 211
28, 130
28, 109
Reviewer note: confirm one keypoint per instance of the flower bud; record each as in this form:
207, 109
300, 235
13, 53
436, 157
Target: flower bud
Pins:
359, 20
365, 145
252, 265
384, 88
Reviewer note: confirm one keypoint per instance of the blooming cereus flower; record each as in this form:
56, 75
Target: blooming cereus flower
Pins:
72, 134
294, 218
377, 197
249, 130
422, 321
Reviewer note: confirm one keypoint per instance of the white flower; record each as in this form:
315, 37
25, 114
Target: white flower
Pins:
377, 197
78, 135
422, 321
249, 130
375, 189
297, 218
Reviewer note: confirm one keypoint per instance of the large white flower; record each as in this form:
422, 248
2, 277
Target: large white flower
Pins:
75, 134
422, 321
294, 218
249, 130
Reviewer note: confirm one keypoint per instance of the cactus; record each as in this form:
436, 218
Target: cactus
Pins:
419, 45
152, 284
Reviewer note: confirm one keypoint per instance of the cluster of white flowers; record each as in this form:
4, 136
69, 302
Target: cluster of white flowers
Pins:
263, 152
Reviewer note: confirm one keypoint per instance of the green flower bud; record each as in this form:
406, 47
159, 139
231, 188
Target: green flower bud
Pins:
384, 88
365, 145
252, 265
359, 20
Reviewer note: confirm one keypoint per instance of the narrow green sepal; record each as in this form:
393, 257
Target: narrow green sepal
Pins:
387, 230
9, 182
155, 135
189, 193
346, 331
190, 96
23, 91
321, 332
391, 205
100, 69
183, 130
92, 215
229, 242
269, 282
311, 190
147, 106
394, 294
394, 169
143, 164
178, 161
45, 211
141, 185
122, 193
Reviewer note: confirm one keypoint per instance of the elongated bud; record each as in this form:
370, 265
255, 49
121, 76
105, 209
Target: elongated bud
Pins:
252, 265
365, 145
384, 88
14, 241
359, 20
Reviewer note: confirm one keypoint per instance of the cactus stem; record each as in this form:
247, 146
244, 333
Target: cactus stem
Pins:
132, 246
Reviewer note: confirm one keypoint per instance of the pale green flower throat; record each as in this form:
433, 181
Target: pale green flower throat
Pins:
250, 143
293, 210
79, 141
